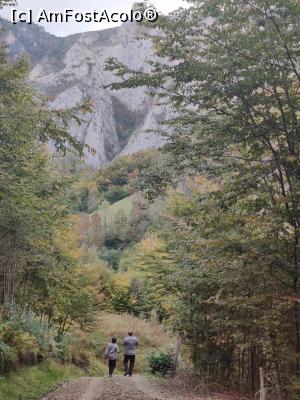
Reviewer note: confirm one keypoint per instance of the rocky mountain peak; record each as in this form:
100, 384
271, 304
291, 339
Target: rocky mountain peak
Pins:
72, 68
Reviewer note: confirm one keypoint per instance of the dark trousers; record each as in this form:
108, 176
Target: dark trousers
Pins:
111, 366
131, 360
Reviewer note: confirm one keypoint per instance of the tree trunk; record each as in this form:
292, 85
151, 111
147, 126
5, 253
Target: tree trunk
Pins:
177, 351
9, 287
296, 305
279, 387
262, 391
252, 367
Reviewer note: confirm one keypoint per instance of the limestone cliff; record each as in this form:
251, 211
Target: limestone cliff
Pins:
72, 68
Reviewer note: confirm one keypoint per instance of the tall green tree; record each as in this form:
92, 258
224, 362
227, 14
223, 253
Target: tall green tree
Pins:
230, 70
29, 190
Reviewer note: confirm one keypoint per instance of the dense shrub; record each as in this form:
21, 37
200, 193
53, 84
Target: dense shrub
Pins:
81, 360
111, 256
26, 347
73, 349
44, 335
24, 340
63, 351
116, 194
8, 358
77, 349
161, 362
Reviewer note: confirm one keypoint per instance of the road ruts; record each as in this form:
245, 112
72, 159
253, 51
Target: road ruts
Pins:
117, 388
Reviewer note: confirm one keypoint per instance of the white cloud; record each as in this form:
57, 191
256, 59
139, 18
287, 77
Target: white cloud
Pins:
62, 29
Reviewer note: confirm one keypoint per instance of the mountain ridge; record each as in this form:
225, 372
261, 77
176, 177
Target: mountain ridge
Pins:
72, 68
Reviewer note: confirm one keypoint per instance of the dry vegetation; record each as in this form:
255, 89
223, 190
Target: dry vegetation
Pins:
149, 333
151, 336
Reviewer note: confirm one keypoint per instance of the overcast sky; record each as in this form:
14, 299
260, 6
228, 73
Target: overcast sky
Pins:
61, 29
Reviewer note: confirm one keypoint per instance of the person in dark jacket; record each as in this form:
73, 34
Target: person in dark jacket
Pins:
130, 343
111, 353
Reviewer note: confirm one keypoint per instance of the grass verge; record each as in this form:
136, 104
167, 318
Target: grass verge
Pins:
32, 383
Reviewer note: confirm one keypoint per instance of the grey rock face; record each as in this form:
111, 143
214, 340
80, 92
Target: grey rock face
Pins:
71, 69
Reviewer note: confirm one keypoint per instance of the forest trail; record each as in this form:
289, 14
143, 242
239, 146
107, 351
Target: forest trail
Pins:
121, 388
116, 388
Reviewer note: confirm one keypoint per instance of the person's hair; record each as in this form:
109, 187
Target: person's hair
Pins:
114, 340
130, 333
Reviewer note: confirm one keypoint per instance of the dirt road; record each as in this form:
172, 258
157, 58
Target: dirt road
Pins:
116, 388
125, 388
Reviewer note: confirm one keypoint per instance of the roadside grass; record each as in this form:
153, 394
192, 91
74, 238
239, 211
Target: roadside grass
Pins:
31, 383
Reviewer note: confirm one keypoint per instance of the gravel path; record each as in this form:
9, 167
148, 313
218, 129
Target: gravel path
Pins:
125, 388
116, 388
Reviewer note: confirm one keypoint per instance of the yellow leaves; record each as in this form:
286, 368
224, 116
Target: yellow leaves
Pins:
269, 91
24, 343
199, 180
150, 255
150, 244
200, 184
260, 113
274, 111
123, 279
175, 200
182, 200
66, 241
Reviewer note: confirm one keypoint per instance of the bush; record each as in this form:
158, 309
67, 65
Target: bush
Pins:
24, 340
78, 349
81, 360
8, 358
111, 257
63, 351
116, 194
28, 322
26, 347
161, 362
31, 324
